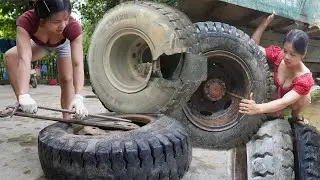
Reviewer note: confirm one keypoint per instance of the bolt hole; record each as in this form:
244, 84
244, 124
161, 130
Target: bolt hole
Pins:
138, 45
206, 113
226, 106
134, 55
219, 65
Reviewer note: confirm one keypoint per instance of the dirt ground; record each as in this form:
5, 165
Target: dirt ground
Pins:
18, 141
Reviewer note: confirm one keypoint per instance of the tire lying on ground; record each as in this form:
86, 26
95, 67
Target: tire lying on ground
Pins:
270, 152
140, 58
159, 150
236, 65
307, 152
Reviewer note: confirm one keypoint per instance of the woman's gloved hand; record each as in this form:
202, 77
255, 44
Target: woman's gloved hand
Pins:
78, 105
27, 104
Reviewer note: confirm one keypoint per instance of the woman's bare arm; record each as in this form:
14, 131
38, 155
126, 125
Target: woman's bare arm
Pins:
256, 36
77, 63
249, 106
273, 106
22, 76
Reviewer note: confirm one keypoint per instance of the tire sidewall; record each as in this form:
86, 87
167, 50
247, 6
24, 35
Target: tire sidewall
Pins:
239, 44
161, 35
221, 140
132, 154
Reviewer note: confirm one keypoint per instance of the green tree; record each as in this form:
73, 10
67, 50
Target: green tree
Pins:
9, 12
91, 12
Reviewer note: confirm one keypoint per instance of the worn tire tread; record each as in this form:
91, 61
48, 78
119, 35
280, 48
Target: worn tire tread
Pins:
213, 31
307, 151
270, 152
159, 156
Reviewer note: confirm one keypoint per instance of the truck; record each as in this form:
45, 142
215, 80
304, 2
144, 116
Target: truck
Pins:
194, 61
138, 68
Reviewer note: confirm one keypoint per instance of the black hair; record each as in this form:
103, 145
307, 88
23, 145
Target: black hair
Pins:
30, 5
299, 40
45, 8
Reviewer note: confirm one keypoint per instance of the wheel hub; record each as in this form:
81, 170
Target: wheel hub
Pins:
214, 89
211, 108
130, 63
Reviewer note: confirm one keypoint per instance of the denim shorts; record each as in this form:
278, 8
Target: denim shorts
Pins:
62, 51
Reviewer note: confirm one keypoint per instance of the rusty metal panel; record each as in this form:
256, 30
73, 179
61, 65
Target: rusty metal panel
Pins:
239, 163
307, 11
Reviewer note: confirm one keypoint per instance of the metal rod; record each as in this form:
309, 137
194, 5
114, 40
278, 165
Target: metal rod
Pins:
90, 115
86, 123
235, 95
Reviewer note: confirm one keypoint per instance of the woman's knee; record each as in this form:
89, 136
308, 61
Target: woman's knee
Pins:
9, 58
65, 79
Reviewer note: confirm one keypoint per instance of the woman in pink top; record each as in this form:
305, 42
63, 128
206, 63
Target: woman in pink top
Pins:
292, 78
48, 28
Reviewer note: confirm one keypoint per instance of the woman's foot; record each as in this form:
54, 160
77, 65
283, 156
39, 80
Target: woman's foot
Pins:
9, 110
300, 120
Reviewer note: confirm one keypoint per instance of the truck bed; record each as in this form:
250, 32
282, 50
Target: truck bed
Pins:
247, 14
302, 14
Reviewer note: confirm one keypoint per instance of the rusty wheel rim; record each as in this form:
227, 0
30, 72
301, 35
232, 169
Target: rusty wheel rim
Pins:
139, 120
218, 111
130, 65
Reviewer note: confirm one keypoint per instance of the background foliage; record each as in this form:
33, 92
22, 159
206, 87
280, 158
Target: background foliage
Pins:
9, 11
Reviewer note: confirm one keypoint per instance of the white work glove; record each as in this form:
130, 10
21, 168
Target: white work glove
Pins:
27, 104
77, 104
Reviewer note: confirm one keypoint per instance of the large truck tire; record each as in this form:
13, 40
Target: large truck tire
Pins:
159, 150
236, 65
307, 152
141, 56
270, 152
